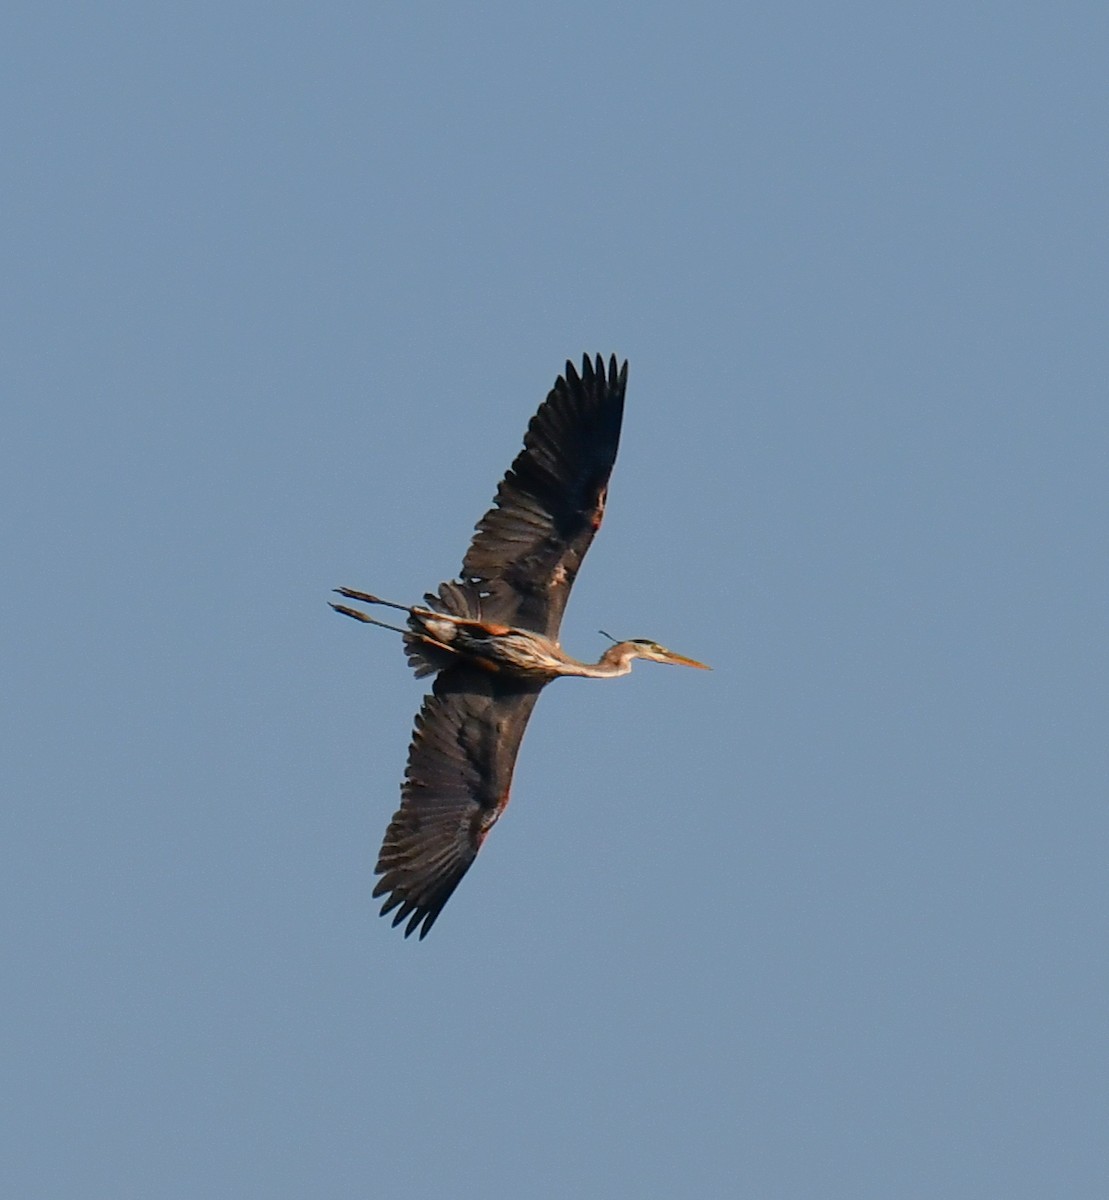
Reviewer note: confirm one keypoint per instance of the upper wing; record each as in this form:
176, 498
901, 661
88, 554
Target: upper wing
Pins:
459, 772
529, 545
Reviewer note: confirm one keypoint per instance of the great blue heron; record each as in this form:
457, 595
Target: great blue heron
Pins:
490, 639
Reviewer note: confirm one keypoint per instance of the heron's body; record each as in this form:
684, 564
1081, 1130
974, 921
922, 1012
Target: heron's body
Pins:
438, 638
490, 638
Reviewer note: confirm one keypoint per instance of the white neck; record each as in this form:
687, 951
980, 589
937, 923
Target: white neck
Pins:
616, 660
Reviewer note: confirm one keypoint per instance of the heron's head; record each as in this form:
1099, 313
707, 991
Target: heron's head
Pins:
653, 652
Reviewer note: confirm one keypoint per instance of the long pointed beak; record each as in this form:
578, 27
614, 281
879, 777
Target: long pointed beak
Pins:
681, 661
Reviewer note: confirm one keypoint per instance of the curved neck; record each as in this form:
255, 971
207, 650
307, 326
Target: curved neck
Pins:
616, 660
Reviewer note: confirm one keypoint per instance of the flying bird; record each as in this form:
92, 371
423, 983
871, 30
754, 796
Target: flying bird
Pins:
490, 638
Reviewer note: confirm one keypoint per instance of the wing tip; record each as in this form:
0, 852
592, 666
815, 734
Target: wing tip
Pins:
420, 917
615, 378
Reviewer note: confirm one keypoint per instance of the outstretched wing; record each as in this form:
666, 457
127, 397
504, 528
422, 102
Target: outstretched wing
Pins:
460, 764
529, 545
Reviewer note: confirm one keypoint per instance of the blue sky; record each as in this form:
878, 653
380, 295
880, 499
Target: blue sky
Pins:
282, 286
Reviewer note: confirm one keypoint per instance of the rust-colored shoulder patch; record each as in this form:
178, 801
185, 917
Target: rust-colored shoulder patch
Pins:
598, 514
489, 627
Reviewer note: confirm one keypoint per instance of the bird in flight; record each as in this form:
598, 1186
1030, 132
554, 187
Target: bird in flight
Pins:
490, 638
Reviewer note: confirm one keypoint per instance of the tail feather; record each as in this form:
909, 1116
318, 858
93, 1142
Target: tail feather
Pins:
454, 600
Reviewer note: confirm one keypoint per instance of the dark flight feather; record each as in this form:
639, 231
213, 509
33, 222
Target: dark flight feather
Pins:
529, 546
460, 765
